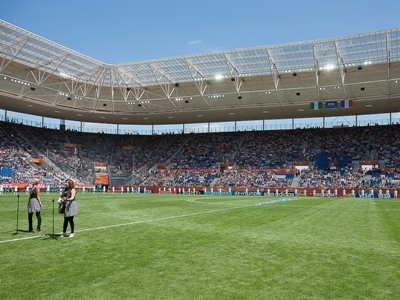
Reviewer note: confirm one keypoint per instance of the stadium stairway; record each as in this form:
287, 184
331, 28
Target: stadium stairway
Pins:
178, 150
356, 164
382, 164
46, 160
367, 178
10, 136
214, 182
295, 182
235, 151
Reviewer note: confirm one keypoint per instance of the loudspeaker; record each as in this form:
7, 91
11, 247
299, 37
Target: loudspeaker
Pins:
69, 98
363, 88
297, 94
104, 104
240, 97
186, 101
359, 67
177, 84
33, 89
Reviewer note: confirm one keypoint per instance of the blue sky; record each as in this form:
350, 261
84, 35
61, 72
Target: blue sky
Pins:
123, 31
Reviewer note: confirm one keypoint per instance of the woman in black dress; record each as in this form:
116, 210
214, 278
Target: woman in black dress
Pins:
34, 206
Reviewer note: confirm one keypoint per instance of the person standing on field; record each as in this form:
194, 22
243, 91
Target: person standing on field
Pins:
71, 207
34, 206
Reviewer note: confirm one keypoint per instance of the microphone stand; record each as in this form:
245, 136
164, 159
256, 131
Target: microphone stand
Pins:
16, 231
53, 218
44, 210
53, 236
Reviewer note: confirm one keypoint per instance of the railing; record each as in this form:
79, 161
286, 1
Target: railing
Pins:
286, 124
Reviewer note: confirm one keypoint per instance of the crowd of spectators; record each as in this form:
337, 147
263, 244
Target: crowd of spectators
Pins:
203, 151
314, 178
254, 178
270, 149
196, 159
386, 147
186, 177
16, 155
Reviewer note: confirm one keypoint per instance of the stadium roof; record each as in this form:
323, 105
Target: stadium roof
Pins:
43, 78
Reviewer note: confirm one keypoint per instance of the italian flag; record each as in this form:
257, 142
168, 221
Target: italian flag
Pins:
316, 105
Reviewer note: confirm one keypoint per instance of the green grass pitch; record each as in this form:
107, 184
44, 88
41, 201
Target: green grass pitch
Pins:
130, 246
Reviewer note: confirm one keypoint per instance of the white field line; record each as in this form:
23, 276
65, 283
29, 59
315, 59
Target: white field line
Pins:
146, 221
134, 223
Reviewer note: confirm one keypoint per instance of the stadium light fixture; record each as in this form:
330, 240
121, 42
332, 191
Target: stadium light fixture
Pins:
329, 67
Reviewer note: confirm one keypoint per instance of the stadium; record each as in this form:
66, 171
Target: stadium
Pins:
234, 214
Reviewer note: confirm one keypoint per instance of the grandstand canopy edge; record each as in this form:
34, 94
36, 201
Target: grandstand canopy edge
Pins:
40, 77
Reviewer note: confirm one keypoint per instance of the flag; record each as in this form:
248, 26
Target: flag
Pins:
316, 105
346, 103
330, 104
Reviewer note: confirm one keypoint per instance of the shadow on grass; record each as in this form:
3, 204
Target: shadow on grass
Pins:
22, 231
53, 236
46, 236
